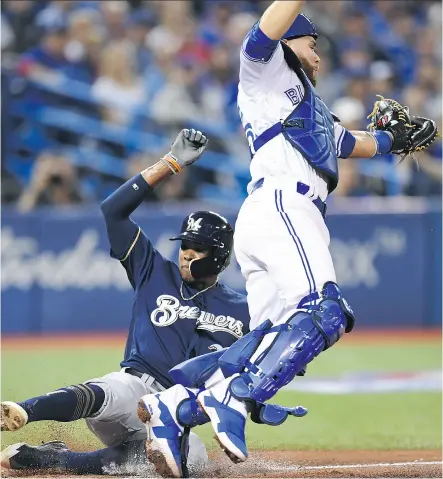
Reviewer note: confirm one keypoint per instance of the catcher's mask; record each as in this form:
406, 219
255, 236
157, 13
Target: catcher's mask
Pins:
211, 230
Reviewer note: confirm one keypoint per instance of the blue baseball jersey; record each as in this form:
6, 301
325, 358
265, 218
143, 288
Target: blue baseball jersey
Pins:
165, 329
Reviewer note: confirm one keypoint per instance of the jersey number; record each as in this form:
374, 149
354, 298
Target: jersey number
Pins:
250, 136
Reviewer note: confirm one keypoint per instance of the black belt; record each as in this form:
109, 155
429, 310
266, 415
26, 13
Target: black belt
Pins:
134, 372
145, 377
302, 189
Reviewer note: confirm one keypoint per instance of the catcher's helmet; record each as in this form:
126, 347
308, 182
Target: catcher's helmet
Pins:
302, 27
214, 231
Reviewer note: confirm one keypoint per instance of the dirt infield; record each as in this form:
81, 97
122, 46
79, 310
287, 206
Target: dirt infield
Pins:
118, 339
284, 464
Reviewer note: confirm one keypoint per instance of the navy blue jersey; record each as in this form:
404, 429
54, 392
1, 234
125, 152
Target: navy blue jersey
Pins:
165, 329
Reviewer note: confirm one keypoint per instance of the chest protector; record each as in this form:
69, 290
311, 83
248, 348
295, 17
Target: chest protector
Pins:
310, 129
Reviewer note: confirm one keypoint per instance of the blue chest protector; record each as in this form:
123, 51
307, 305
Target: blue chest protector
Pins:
309, 129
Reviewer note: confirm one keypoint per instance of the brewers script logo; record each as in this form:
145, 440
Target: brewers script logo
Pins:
169, 310
194, 225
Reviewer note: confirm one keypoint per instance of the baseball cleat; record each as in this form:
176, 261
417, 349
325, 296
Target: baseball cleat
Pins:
12, 416
24, 456
228, 418
159, 414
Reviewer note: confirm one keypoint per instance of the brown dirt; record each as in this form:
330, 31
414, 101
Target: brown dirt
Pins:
28, 342
298, 464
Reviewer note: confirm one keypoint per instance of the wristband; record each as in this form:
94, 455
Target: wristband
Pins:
172, 164
384, 141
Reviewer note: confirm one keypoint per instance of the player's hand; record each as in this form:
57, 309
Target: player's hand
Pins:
188, 147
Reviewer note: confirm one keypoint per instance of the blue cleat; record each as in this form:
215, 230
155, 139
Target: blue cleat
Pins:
171, 447
158, 413
228, 418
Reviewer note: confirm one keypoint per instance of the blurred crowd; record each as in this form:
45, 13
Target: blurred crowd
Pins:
158, 66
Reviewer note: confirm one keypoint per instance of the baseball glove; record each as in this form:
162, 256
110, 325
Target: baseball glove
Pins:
410, 134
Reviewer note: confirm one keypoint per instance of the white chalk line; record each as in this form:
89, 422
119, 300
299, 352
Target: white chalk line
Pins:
353, 466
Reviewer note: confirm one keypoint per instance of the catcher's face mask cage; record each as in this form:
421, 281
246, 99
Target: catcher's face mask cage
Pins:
211, 230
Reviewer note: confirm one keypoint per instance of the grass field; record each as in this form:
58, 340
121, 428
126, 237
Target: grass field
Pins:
354, 421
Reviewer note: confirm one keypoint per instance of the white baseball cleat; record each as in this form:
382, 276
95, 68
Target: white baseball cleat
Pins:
228, 418
159, 414
12, 416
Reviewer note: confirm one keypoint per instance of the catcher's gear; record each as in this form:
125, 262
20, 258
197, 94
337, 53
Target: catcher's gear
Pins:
409, 134
187, 148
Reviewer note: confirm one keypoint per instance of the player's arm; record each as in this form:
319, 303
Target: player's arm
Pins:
366, 145
123, 233
369, 144
261, 55
278, 17
361, 144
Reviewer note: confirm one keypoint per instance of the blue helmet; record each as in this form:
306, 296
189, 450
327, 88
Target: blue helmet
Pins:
302, 27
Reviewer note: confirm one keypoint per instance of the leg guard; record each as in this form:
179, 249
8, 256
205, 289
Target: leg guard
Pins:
270, 414
303, 337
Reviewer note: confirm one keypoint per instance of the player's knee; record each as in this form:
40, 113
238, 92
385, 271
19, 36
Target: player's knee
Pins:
90, 398
332, 316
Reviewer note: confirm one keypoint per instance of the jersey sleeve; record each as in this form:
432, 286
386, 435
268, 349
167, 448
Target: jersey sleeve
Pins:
344, 141
138, 259
261, 58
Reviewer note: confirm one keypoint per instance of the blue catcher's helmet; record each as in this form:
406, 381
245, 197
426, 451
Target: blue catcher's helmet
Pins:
212, 230
302, 27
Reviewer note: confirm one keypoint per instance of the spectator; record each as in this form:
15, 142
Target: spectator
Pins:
350, 183
176, 103
157, 66
17, 17
218, 85
47, 59
351, 111
381, 75
213, 28
53, 182
83, 47
114, 16
55, 13
118, 87
138, 26
46, 63
11, 189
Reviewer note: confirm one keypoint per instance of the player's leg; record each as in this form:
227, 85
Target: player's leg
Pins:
56, 455
118, 420
65, 404
114, 427
290, 243
117, 425
282, 245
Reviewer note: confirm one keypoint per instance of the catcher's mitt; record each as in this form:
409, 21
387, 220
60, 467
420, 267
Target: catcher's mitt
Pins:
409, 134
